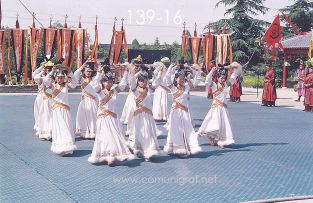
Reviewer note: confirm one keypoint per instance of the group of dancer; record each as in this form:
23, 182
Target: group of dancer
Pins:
146, 102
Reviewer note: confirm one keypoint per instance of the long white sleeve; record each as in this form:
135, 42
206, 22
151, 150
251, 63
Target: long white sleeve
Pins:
197, 78
132, 81
37, 77
47, 81
157, 80
122, 85
37, 71
77, 73
74, 81
168, 76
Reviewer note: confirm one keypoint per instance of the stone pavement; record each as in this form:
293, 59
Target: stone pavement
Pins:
272, 158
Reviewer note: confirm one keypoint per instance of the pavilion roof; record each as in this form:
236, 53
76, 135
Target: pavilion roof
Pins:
298, 41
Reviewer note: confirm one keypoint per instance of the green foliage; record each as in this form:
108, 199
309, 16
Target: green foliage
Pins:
301, 14
252, 81
245, 31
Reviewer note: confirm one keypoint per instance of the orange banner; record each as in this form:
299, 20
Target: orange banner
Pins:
118, 45
26, 61
2, 50
9, 55
66, 37
49, 35
112, 47
94, 52
184, 45
195, 43
219, 43
35, 39
79, 41
225, 45
18, 46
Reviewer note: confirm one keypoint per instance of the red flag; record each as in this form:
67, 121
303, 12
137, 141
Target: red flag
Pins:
273, 36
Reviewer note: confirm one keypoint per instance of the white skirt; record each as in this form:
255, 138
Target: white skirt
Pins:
182, 138
216, 124
37, 104
86, 119
142, 135
127, 108
63, 139
44, 120
160, 104
109, 144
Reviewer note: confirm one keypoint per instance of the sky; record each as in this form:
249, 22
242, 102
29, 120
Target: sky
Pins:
144, 20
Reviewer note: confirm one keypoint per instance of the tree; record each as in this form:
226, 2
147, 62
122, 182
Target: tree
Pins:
135, 44
244, 29
301, 14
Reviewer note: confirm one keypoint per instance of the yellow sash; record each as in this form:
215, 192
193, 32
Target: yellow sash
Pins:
217, 103
140, 108
106, 112
176, 104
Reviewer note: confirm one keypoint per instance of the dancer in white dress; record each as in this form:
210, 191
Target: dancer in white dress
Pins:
42, 70
142, 128
110, 144
182, 140
159, 109
135, 65
63, 139
43, 108
216, 123
87, 108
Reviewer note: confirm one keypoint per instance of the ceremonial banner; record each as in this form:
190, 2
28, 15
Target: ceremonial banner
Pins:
9, 55
49, 40
2, 50
18, 38
35, 39
273, 36
94, 52
26, 61
112, 46
184, 45
230, 50
219, 57
118, 45
80, 41
225, 45
66, 37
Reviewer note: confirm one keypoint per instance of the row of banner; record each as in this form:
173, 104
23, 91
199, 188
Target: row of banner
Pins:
217, 47
64, 43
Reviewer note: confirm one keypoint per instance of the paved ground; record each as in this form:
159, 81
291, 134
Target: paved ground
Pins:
272, 157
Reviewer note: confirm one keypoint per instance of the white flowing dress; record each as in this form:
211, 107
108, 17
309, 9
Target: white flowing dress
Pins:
182, 138
39, 98
216, 124
43, 108
159, 110
63, 138
141, 125
87, 108
110, 144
